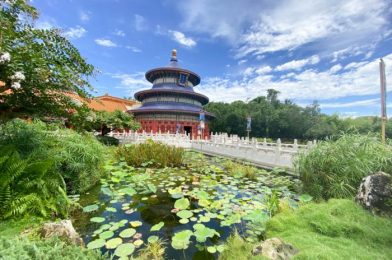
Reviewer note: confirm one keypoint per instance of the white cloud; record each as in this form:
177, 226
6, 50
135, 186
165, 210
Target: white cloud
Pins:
133, 48
242, 61
263, 70
132, 82
119, 33
105, 42
258, 27
182, 39
139, 22
360, 103
360, 80
75, 32
84, 16
335, 68
298, 64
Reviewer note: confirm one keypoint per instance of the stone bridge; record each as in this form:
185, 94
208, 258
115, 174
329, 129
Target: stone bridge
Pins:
264, 154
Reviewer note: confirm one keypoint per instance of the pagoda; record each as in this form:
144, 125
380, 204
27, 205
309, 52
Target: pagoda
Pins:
171, 105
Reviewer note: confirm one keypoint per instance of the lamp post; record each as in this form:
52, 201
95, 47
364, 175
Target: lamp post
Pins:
383, 86
248, 124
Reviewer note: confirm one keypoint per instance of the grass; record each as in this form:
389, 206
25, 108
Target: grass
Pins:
337, 229
237, 248
334, 169
153, 251
239, 170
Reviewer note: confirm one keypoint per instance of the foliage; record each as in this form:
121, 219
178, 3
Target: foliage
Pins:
43, 66
151, 153
237, 248
22, 248
29, 188
77, 157
334, 169
338, 229
104, 121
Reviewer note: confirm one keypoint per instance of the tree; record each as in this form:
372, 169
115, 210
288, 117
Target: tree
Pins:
38, 67
105, 122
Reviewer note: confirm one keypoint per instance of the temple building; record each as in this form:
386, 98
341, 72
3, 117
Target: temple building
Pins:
171, 105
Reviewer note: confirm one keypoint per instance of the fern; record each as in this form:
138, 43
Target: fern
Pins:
30, 187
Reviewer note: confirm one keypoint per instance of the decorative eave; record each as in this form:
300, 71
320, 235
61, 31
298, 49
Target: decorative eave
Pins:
144, 93
153, 74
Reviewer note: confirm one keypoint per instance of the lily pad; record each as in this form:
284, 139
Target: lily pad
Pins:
106, 234
136, 223
202, 234
157, 227
113, 243
184, 214
184, 221
182, 203
305, 198
97, 219
180, 240
128, 190
124, 250
129, 232
152, 239
90, 208
95, 244
111, 209
211, 249
138, 242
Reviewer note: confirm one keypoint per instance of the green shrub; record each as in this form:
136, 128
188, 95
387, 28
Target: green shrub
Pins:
27, 187
153, 154
237, 248
79, 158
22, 248
338, 229
334, 169
108, 140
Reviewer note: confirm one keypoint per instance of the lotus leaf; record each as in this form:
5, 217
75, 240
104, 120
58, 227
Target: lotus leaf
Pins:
205, 219
184, 214
182, 203
305, 198
113, 243
198, 226
105, 226
129, 232
128, 190
220, 248
124, 250
138, 242
106, 234
136, 223
95, 244
202, 234
97, 219
111, 209
152, 188
180, 240
157, 227
184, 221
90, 208
211, 249
152, 239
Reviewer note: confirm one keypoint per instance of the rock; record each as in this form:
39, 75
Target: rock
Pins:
375, 193
64, 230
275, 248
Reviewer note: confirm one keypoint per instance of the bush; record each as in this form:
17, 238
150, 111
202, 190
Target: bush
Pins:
27, 187
79, 158
108, 140
237, 248
22, 248
338, 229
334, 169
240, 170
152, 154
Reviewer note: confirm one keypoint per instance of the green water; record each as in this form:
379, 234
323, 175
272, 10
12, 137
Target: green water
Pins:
219, 203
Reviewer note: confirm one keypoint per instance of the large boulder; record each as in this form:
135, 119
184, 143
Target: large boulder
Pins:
275, 248
63, 230
375, 193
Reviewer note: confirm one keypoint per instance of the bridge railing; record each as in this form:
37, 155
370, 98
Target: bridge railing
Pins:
269, 154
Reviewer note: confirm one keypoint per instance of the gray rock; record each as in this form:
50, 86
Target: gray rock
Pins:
375, 193
275, 248
63, 230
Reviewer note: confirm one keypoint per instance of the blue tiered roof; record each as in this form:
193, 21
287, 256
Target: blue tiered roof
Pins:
185, 80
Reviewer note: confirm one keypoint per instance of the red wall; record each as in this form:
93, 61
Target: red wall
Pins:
164, 126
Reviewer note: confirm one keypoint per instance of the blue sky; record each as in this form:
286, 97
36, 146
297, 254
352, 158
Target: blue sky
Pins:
308, 50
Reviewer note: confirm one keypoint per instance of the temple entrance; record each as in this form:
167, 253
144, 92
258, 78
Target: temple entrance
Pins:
188, 130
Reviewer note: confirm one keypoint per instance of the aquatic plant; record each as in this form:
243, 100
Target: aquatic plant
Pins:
153, 251
151, 154
240, 170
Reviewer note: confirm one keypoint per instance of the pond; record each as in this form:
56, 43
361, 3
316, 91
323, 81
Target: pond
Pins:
192, 209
